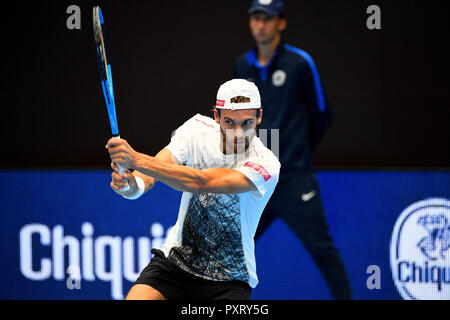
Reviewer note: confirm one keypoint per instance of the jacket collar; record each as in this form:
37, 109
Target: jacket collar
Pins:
252, 56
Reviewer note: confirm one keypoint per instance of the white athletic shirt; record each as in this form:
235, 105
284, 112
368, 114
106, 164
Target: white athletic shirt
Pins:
213, 235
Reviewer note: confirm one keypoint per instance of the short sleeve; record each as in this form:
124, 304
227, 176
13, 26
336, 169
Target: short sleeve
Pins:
180, 142
263, 173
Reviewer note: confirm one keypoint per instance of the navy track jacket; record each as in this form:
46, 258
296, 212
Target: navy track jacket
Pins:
293, 101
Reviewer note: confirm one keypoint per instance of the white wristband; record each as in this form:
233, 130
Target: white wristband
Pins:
140, 191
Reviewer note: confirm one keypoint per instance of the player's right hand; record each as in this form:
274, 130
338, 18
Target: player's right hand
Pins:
118, 182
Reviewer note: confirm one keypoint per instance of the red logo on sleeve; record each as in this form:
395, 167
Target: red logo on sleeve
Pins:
220, 103
260, 169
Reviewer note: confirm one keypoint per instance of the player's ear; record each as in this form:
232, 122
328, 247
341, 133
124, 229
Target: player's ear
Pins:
216, 115
258, 121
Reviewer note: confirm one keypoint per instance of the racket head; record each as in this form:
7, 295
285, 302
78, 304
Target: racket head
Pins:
104, 67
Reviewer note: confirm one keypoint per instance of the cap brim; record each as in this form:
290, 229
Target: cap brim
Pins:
262, 9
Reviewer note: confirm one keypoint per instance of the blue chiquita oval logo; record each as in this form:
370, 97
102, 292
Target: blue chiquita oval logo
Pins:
420, 250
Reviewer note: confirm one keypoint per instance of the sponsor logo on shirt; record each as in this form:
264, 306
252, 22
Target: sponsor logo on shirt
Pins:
260, 169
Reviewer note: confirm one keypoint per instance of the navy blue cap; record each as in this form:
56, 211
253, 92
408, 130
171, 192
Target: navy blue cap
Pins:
271, 7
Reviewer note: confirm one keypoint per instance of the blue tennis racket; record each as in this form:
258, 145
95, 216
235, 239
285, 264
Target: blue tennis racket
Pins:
105, 73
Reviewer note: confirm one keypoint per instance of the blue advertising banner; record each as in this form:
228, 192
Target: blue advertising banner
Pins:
67, 235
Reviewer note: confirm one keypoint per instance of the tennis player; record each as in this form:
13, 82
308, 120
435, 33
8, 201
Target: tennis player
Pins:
227, 176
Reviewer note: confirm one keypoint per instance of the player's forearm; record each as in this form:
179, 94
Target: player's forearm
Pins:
178, 177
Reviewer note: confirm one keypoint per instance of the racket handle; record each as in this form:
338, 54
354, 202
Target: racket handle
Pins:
121, 171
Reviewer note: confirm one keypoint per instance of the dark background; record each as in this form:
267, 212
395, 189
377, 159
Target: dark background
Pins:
389, 88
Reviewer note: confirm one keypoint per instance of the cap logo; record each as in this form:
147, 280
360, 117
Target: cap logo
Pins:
220, 103
265, 2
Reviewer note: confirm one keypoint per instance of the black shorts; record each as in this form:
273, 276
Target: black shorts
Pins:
177, 284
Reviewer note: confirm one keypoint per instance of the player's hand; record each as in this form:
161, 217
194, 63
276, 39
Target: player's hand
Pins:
118, 182
122, 153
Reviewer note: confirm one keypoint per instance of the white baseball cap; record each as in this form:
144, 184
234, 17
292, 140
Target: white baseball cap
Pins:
236, 88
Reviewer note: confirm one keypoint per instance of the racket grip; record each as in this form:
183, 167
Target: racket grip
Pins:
121, 171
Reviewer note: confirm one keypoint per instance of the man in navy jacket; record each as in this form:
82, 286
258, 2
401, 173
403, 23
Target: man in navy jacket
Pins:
294, 102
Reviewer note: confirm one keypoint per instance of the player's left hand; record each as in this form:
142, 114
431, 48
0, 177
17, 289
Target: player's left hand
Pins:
122, 153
